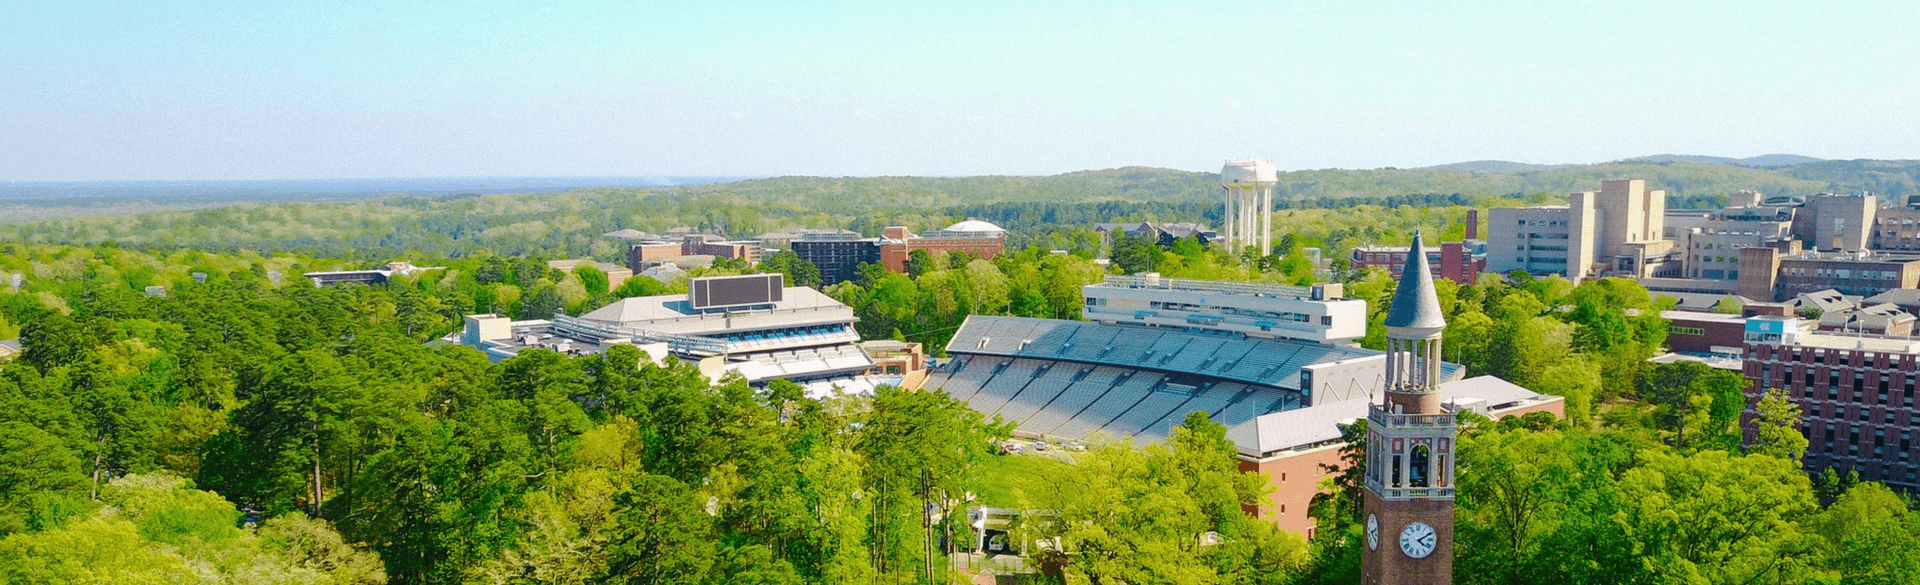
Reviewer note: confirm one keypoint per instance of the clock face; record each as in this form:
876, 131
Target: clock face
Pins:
1373, 533
1418, 540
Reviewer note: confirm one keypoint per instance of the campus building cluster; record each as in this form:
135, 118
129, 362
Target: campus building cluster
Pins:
838, 253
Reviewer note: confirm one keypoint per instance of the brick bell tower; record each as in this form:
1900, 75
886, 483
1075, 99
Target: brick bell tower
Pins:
1408, 502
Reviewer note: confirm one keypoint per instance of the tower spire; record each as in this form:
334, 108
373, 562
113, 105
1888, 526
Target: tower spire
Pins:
1415, 304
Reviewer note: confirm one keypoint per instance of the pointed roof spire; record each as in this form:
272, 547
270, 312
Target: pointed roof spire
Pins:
1414, 302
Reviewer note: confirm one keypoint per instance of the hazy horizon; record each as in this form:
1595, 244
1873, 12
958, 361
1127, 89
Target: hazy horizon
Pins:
667, 180
247, 91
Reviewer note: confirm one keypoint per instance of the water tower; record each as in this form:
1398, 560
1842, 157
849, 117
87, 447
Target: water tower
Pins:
1249, 213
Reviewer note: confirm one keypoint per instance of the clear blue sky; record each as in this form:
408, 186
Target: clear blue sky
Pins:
206, 90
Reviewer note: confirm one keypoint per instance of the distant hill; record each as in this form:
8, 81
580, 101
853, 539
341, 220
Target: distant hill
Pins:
1765, 160
1496, 166
1894, 179
567, 222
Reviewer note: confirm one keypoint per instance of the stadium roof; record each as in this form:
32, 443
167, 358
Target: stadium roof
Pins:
1320, 424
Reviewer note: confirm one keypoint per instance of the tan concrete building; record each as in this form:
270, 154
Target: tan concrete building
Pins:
1773, 274
1832, 222
1615, 231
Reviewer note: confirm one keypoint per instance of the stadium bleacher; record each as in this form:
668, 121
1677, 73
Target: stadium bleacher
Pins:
1140, 421
1068, 380
1004, 384
1109, 406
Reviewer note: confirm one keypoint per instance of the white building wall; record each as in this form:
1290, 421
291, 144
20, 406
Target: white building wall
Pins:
1294, 318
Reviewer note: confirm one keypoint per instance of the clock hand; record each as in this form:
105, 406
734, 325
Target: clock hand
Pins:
1427, 540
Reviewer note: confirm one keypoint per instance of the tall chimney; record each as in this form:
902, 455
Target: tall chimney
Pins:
1473, 224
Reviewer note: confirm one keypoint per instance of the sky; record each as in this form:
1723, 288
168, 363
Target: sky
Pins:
184, 90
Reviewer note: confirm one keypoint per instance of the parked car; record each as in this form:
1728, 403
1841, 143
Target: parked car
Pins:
1039, 445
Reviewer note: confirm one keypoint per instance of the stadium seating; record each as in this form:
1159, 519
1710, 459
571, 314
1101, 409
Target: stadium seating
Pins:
1042, 391
1143, 416
1104, 378
1003, 386
1110, 406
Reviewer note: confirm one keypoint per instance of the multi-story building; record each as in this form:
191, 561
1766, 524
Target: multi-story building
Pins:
839, 257
681, 246
1316, 314
1712, 240
1543, 240
1855, 392
1698, 332
709, 245
1461, 262
1770, 274
1834, 222
1392, 258
979, 238
1896, 228
783, 239
1616, 231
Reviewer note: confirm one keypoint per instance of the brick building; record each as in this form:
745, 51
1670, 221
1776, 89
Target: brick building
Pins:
651, 253
1856, 395
973, 236
1454, 261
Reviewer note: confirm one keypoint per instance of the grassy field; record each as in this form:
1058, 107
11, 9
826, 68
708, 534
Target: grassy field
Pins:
1002, 473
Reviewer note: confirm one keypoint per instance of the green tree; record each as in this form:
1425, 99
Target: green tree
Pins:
1717, 516
544, 304
35, 467
591, 278
663, 536
1695, 404
1134, 254
639, 285
1779, 427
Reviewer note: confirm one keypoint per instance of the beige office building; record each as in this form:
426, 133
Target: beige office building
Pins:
1616, 231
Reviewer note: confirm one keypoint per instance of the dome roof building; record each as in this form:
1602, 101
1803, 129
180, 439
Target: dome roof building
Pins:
974, 225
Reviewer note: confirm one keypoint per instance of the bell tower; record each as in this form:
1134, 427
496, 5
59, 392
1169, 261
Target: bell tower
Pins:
1408, 501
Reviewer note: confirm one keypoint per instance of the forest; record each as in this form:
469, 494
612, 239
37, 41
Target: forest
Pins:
238, 431
1048, 211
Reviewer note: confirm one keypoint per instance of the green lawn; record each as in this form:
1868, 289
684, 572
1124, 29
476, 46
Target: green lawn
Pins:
1000, 473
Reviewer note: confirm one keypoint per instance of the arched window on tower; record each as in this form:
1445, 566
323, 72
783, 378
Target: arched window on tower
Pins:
1417, 467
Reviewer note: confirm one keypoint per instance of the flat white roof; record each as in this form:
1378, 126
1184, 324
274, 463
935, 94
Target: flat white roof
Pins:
1863, 342
1320, 423
638, 310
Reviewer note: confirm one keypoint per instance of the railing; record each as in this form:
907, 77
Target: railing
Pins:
1380, 417
1182, 284
684, 344
1408, 493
